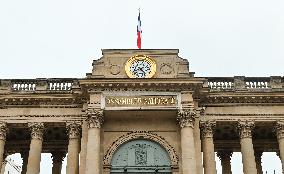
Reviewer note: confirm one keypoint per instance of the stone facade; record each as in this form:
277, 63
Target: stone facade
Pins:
184, 115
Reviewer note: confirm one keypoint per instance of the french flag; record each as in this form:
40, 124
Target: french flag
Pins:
139, 32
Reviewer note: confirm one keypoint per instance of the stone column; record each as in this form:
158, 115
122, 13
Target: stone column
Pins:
258, 155
279, 127
83, 152
3, 133
57, 158
24, 155
186, 122
209, 163
35, 147
225, 157
198, 152
94, 122
74, 129
245, 132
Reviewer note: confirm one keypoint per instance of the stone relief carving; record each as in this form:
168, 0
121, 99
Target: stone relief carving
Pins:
114, 69
141, 156
94, 117
186, 117
73, 129
166, 68
245, 128
207, 128
36, 130
3, 130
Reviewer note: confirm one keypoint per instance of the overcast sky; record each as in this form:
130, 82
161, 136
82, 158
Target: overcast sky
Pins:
60, 38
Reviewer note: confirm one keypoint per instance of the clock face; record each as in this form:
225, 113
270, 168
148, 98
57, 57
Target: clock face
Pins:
140, 66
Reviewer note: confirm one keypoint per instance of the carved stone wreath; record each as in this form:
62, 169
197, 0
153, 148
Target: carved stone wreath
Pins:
140, 135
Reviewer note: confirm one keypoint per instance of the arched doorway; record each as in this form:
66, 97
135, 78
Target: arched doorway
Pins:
139, 157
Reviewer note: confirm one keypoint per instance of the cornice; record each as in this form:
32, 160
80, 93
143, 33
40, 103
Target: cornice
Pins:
243, 98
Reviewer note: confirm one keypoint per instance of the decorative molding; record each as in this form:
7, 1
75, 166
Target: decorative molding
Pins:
279, 129
36, 130
221, 98
73, 129
94, 117
140, 135
207, 128
245, 128
3, 130
186, 117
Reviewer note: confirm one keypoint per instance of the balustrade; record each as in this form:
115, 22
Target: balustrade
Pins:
40, 84
23, 85
244, 83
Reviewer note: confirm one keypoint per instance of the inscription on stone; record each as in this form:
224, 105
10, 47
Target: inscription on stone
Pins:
140, 101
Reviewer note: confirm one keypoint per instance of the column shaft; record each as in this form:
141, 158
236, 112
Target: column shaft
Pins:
3, 133
73, 147
24, 155
209, 162
35, 148
248, 158
93, 151
83, 152
186, 121
57, 158
197, 140
280, 137
225, 157
94, 122
258, 155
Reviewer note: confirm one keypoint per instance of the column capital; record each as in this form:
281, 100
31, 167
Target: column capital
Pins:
58, 157
36, 129
279, 129
186, 117
224, 155
207, 128
3, 130
73, 129
245, 128
94, 117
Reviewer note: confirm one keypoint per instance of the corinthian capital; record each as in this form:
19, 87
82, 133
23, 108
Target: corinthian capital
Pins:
279, 129
207, 128
245, 128
36, 130
73, 129
3, 130
94, 118
186, 117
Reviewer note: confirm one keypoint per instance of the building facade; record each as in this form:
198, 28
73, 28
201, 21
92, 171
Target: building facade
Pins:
142, 111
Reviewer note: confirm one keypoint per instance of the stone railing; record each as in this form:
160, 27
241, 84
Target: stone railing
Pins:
245, 83
21, 85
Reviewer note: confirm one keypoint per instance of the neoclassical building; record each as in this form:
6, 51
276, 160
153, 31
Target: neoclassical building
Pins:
142, 112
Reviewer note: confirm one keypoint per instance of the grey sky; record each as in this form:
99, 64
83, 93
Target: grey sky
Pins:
219, 37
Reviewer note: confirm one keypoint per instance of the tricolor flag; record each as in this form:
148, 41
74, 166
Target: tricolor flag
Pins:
139, 32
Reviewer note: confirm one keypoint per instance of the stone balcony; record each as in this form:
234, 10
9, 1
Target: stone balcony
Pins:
242, 83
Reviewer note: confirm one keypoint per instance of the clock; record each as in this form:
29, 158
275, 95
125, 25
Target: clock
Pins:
140, 66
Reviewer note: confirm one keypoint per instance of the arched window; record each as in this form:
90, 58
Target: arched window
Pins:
141, 156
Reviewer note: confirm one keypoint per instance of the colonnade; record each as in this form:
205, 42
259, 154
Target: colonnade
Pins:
251, 160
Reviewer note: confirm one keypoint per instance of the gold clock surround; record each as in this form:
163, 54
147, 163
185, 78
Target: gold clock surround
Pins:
148, 59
